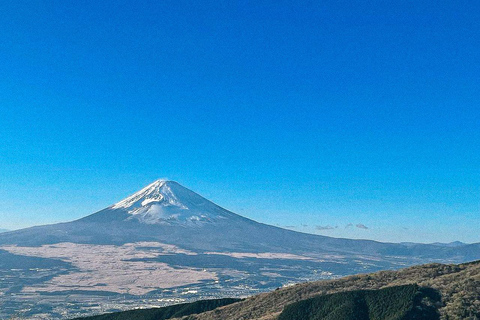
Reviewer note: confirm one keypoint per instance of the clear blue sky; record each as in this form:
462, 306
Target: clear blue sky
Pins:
308, 114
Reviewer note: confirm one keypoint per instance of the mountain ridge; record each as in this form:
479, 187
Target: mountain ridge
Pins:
447, 279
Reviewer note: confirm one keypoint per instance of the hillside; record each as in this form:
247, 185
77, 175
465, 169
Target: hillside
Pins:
177, 310
392, 303
458, 285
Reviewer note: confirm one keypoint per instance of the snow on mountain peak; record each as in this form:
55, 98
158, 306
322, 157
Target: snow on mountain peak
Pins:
165, 201
158, 191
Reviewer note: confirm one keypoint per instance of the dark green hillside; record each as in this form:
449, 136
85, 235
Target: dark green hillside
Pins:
169, 312
393, 303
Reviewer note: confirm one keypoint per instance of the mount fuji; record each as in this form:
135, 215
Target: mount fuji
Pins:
167, 242
168, 212
165, 203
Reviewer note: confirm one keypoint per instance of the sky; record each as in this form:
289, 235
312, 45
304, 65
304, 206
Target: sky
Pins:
357, 119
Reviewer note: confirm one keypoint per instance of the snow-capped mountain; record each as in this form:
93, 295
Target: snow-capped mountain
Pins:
167, 202
168, 212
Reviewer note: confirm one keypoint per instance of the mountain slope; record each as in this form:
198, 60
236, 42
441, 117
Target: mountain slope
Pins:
174, 311
458, 285
392, 303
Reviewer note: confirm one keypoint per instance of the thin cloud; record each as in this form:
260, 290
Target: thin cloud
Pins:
349, 225
361, 226
322, 228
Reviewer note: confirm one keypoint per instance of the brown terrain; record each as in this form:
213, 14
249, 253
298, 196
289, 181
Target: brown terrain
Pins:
459, 286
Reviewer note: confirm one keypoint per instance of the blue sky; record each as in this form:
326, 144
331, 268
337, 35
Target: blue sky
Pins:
319, 116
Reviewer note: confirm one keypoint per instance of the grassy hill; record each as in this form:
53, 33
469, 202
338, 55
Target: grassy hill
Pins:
164, 313
393, 303
458, 285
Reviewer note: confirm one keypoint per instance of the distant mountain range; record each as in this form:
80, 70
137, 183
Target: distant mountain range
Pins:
167, 241
3, 230
453, 244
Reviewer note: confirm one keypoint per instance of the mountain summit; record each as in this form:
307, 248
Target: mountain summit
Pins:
165, 202
160, 191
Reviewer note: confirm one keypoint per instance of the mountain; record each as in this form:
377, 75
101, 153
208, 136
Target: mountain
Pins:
3, 230
453, 244
166, 241
168, 212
